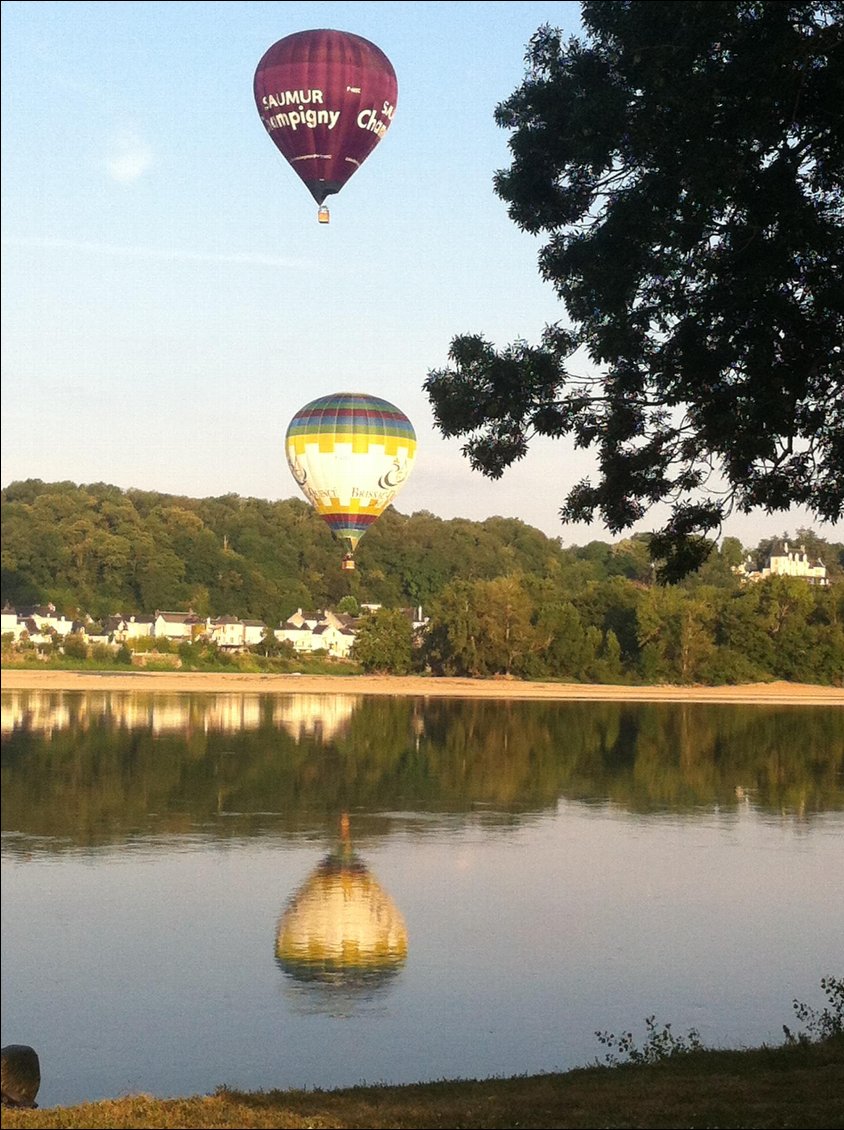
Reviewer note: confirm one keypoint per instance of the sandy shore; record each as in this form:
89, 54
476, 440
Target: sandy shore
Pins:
414, 685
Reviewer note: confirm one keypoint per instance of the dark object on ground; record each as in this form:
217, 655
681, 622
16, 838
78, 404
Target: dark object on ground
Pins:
20, 1075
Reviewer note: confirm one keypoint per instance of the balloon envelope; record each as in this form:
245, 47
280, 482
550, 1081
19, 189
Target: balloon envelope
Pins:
326, 98
341, 927
350, 453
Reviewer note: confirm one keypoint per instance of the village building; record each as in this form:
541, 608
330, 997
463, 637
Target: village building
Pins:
226, 632
45, 620
253, 632
177, 626
309, 631
135, 628
10, 623
232, 634
329, 632
786, 562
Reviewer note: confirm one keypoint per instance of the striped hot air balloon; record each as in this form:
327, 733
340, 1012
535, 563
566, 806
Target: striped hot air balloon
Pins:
351, 454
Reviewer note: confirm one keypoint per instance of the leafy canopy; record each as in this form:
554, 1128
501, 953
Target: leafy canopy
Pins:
685, 162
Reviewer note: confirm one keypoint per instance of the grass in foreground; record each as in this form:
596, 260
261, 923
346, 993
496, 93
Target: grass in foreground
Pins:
799, 1085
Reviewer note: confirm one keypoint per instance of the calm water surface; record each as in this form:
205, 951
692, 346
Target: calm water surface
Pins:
317, 891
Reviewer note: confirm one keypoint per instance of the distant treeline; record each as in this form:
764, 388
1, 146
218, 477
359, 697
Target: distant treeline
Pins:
502, 597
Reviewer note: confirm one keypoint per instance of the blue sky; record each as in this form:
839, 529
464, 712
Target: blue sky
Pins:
169, 300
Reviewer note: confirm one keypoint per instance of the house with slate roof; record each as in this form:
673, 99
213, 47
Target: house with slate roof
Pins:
233, 634
784, 561
330, 632
177, 626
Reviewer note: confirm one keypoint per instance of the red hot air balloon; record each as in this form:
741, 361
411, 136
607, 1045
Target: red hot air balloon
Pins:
326, 99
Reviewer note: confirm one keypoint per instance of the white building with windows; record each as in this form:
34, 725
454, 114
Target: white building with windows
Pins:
177, 625
330, 632
786, 562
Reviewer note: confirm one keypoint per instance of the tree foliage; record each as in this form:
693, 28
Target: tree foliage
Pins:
502, 598
384, 642
617, 631
238, 556
686, 163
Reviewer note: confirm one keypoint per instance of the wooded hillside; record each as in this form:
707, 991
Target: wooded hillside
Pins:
500, 596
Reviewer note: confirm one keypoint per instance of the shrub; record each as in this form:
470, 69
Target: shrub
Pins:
820, 1026
657, 1046
75, 646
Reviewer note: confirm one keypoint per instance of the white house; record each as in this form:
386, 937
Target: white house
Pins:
47, 621
226, 632
10, 623
137, 627
300, 635
784, 562
232, 633
176, 625
330, 632
333, 640
253, 632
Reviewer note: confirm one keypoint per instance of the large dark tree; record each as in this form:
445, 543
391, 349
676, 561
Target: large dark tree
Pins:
685, 161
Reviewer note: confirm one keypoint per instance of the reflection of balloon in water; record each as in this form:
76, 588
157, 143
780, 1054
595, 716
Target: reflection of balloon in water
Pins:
326, 98
341, 928
350, 454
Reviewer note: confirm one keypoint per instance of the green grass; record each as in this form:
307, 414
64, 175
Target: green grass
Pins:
800, 1085
245, 663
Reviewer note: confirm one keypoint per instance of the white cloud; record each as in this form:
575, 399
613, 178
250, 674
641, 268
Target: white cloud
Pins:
129, 159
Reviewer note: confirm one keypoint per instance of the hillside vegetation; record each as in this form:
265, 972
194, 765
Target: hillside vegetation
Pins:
502, 597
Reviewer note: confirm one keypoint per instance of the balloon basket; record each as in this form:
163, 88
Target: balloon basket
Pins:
348, 563
323, 215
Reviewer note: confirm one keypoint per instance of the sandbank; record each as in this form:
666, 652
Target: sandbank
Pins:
167, 682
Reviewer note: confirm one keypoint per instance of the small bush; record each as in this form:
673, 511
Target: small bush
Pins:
657, 1046
74, 646
820, 1026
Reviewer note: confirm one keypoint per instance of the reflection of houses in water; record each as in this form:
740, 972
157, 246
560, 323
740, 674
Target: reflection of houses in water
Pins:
301, 715
314, 715
233, 712
221, 713
341, 930
169, 717
43, 713
48, 711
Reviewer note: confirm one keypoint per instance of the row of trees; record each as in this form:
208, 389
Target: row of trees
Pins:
617, 631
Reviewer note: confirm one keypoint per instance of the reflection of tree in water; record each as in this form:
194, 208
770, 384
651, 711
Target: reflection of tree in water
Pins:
74, 777
341, 938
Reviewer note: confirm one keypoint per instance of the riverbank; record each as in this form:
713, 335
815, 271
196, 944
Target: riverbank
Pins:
174, 682
798, 1086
